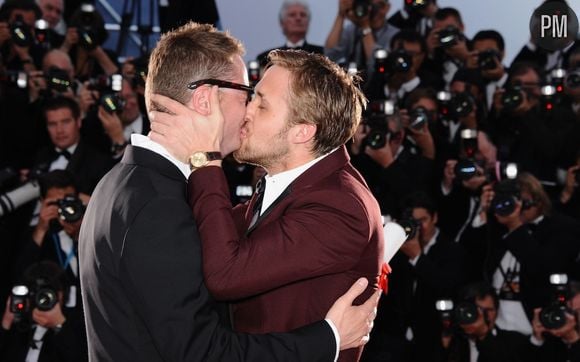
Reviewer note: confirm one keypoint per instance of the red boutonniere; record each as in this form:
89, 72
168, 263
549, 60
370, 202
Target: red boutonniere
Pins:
383, 279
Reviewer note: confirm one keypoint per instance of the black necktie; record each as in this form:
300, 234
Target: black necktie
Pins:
260, 189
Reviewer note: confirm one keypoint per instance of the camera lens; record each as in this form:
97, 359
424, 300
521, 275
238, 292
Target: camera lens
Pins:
512, 98
70, 209
449, 36
419, 117
503, 205
553, 317
46, 299
465, 170
466, 313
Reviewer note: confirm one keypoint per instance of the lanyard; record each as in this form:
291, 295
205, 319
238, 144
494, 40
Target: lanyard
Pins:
59, 252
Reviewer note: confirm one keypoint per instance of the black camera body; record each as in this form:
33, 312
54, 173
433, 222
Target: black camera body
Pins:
416, 4
376, 118
25, 298
449, 36
418, 116
109, 89
507, 194
399, 61
70, 208
464, 313
14, 78
461, 105
486, 60
87, 38
512, 98
554, 315
21, 33
57, 79
361, 8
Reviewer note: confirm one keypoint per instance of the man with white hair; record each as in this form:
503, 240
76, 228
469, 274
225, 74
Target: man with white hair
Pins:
294, 20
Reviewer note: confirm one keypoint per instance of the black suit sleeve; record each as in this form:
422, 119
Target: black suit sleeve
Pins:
162, 273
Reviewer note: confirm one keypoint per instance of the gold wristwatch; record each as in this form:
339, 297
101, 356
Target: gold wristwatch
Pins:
200, 159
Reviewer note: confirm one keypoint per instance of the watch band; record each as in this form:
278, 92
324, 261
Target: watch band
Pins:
366, 31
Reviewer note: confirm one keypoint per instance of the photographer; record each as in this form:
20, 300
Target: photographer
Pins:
22, 52
447, 46
486, 56
53, 335
110, 131
415, 15
429, 266
55, 237
83, 41
366, 31
388, 163
477, 338
401, 71
525, 128
559, 344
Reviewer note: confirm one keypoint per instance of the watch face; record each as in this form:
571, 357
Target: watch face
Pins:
198, 159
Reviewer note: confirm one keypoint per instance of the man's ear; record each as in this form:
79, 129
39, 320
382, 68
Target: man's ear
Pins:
200, 100
303, 133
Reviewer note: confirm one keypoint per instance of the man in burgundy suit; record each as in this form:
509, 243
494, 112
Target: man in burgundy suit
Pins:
285, 256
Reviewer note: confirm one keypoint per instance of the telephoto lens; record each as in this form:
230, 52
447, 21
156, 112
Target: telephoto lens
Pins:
70, 209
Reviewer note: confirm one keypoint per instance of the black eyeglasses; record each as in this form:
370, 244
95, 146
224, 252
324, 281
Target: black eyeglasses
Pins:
223, 84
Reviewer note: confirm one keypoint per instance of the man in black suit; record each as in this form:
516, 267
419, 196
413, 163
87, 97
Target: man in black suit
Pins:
140, 253
294, 21
68, 151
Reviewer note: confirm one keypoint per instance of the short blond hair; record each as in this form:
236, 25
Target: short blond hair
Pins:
189, 53
529, 183
323, 94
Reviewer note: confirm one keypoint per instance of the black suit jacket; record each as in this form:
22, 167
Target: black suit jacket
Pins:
498, 346
87, 165
310, 48
142, 281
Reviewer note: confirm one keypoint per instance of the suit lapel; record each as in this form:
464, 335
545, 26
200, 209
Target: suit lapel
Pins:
322, 169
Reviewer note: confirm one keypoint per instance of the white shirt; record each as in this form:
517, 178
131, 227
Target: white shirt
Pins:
298, 44
405, 88
491, 87
61, 162
34, 353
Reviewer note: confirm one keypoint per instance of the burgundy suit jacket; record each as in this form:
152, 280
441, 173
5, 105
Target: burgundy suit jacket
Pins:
304, 251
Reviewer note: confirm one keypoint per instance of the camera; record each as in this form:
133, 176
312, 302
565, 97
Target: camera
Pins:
377, 115
21, 33
410, 225
449, 36
554, 315
443, 98
512, 98
87, 35
419, 116
14, 198
70, 208
507, 193
41, 33
463, 314
416, 4
399, 61
25, 298
486, 59
572, 79
57, 79
387, 64
109, 89
361, 8
461, 105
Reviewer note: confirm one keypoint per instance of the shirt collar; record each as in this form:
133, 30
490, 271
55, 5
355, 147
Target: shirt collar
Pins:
538, 220
139, 140
298, 44
408, 86
431, 242
70, 149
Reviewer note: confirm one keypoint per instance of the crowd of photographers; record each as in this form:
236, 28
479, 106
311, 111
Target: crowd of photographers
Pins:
480, 162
